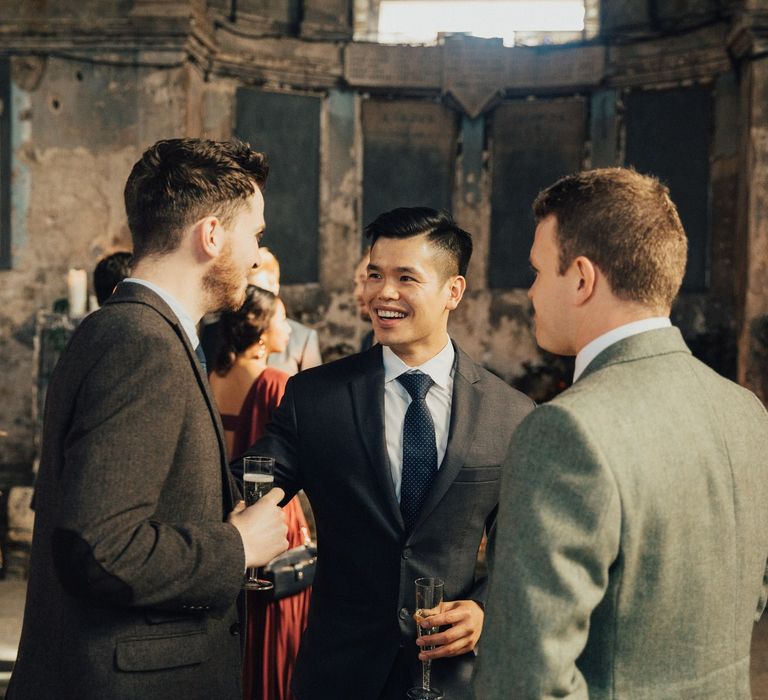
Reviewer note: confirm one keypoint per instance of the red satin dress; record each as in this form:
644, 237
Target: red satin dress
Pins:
270, 654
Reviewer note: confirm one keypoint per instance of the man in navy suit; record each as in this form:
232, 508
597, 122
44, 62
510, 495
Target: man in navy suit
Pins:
341, 433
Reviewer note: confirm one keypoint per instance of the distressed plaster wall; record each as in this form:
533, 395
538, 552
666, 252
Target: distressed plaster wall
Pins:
754, 349
78, 130
92, 89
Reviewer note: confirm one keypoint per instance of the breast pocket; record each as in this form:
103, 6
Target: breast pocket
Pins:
477, 475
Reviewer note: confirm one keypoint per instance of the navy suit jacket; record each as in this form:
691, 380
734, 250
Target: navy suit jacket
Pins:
328, 438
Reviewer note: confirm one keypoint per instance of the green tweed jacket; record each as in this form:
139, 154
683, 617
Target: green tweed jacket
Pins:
630, 555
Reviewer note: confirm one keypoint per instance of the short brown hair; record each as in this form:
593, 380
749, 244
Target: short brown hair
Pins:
626, 224
179, 181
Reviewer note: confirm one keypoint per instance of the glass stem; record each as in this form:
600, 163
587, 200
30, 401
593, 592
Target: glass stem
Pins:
425, 669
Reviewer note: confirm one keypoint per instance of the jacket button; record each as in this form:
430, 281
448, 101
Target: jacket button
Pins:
404, 614
234, 629
406, 553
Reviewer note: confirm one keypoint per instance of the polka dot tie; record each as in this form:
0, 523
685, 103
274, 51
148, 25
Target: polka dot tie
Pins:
419, 447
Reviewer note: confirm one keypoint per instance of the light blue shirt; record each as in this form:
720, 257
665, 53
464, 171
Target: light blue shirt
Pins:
180, 312
591, 350
397, 399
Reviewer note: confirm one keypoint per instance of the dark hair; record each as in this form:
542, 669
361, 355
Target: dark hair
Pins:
110, 270
243, 328
439, 226
179, 181
626, 224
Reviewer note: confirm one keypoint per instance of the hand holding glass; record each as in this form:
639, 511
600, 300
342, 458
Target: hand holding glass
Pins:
429, 601
258, 479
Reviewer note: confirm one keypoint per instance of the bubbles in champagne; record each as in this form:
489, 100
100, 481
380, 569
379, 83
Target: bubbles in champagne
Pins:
256, 486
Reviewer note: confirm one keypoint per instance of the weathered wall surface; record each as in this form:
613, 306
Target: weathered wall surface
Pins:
111, 83
78, 129
754, 348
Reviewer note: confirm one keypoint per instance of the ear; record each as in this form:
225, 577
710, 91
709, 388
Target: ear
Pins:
585, 277
456, 288
209, 236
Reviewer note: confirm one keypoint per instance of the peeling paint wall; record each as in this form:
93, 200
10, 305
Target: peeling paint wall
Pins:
77, 128
86, 105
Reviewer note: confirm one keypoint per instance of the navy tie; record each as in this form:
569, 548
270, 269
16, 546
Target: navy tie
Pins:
419, 448
201, 356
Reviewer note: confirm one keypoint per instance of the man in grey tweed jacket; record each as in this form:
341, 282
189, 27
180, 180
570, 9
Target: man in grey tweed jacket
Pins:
139, 546
630, 554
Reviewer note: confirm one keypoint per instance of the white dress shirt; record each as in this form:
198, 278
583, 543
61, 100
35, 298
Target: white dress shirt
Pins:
181, 313
591, 350
397, 399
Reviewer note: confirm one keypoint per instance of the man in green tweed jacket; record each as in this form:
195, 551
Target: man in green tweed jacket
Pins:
630, 555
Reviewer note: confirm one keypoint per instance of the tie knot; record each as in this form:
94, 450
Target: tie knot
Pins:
416, 384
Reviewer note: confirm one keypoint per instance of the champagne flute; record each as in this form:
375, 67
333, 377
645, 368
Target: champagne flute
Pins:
429, 601
258, 479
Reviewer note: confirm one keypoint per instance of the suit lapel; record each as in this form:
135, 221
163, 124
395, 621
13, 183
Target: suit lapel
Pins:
367, 389
464, 411
205, 387
139, 294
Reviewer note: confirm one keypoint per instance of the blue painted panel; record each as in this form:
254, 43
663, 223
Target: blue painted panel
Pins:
669, 135
604, 129
534, 143
287, 128
472, 145
409, 155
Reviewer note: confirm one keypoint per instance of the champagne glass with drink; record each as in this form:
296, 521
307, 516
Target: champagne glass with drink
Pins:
429, 601
258, 478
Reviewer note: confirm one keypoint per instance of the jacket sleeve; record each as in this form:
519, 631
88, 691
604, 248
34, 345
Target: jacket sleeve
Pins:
113, 538
479, 592
480, 589
557, 535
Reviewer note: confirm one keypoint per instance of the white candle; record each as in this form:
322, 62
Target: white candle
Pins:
77, 292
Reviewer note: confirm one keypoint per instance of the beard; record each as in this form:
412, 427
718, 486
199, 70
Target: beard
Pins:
224, 283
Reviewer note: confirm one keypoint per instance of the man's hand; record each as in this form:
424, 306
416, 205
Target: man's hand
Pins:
465, 620
262, 528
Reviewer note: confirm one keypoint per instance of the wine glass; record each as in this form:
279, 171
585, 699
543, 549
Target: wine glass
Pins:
258, 479
429, 601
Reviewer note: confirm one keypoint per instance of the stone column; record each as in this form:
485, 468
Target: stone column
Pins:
749, 44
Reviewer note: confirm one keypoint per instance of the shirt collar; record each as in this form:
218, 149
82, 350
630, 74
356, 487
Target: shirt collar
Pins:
439, 367
180, 312
592, 349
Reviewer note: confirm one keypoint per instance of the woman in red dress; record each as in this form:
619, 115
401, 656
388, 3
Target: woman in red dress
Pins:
247, 392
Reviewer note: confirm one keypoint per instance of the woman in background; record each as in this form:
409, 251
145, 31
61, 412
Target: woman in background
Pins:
247, 392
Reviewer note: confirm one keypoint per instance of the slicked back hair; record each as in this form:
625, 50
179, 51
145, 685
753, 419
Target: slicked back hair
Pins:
453, 243
180, 181
626, 224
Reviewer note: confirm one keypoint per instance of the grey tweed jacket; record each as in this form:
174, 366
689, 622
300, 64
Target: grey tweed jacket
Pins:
632, 535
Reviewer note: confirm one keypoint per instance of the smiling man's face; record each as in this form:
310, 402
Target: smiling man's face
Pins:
410, 296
